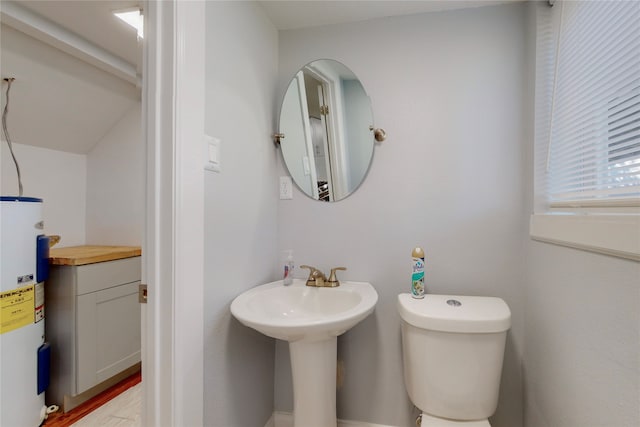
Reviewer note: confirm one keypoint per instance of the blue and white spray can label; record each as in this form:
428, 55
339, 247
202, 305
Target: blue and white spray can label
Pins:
417, 274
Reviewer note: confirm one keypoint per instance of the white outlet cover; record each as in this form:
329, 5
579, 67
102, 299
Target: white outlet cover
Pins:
286, 188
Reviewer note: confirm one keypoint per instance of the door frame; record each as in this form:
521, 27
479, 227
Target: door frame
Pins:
323, 90
306, 125
334, 123
173, 244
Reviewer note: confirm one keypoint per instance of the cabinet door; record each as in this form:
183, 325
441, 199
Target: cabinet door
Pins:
108, 327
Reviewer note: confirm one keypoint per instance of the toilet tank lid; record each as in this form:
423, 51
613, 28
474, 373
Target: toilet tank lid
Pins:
452, 313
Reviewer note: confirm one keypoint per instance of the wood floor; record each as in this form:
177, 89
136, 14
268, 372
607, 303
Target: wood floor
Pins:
73, 416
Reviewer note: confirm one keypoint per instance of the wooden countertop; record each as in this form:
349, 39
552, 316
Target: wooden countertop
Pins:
81, 255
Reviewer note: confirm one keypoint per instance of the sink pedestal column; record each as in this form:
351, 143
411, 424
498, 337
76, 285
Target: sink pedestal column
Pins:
313, 368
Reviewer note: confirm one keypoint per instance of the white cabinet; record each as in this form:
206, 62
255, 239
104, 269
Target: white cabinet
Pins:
93, 325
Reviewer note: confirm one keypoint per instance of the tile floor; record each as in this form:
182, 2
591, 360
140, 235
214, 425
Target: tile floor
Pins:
121, 411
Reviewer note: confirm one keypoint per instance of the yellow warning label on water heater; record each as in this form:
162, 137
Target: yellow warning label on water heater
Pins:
16, 308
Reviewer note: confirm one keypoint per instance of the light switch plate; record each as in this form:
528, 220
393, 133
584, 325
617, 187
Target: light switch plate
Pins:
286, 188
212, 153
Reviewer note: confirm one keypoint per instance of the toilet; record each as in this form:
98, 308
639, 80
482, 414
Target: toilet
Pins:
453, 347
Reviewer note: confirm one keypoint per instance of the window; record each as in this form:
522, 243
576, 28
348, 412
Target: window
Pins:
588, 126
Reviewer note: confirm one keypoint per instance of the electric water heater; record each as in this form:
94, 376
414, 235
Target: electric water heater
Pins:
24, 355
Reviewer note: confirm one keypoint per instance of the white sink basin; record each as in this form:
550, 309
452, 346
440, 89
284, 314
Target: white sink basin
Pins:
298, 311
310, 319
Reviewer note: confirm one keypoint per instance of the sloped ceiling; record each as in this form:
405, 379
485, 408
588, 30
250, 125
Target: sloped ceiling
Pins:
94, 21
58, 101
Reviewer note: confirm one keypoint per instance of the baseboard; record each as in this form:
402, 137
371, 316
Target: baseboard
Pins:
285, 419
71, 402
270, 422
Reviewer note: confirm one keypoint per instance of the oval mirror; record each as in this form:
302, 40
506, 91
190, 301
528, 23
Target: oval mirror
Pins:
327, 123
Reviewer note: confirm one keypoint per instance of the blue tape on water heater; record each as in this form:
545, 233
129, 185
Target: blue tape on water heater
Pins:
42, 258
44, 366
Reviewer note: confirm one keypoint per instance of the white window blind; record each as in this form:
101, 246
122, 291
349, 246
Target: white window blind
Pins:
588, 101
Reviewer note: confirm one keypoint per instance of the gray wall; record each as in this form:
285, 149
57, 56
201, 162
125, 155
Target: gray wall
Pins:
357, 119
240, 210
455, 96
449, 91
582, 339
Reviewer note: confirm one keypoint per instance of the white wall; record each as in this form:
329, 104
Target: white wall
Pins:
450, 94
116, 184
96, 198
59, 178
240, 209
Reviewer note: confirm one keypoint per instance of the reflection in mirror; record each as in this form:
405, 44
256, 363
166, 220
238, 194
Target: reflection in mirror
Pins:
326, 119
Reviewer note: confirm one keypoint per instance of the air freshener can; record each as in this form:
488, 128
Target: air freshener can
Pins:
417, 274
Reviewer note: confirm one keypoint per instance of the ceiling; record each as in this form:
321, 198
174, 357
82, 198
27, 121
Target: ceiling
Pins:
287, 15
66, 100
63, 99
94, 21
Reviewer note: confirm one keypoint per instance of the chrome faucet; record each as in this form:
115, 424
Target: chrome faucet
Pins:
318, 279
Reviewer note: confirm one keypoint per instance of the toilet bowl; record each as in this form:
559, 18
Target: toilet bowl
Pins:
453, 348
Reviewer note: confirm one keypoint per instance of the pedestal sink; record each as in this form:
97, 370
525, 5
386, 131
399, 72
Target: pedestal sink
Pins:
310, 319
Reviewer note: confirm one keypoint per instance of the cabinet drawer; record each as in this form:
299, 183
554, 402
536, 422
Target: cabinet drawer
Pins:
103, 275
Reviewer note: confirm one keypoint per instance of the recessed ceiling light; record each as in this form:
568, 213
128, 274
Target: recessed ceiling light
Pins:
132, 16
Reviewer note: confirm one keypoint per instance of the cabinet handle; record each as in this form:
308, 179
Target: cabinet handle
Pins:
142, 293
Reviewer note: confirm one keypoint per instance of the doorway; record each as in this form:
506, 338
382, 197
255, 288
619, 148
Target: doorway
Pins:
172, 369
76, 123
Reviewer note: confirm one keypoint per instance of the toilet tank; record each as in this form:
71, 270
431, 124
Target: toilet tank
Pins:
453, 348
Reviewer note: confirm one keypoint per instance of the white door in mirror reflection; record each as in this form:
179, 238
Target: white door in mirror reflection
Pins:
319, 119
326, 116
294, 117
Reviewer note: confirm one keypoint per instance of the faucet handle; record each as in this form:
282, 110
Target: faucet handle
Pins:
313, 273
310, 267
333, 280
